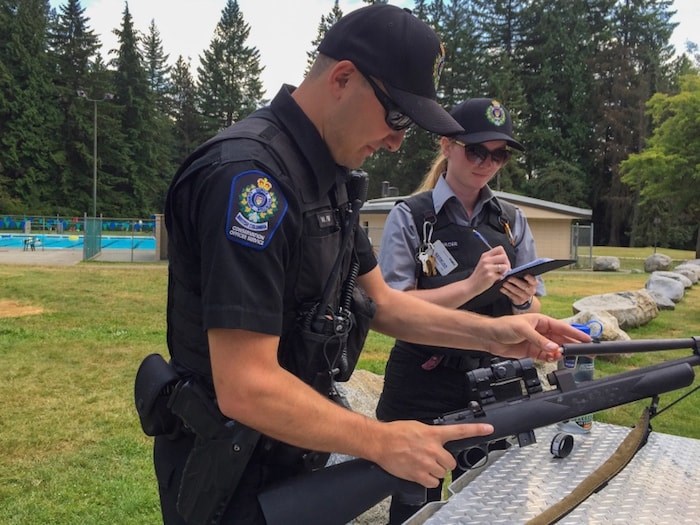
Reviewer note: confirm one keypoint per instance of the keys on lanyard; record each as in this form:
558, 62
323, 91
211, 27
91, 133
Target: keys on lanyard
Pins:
426, 251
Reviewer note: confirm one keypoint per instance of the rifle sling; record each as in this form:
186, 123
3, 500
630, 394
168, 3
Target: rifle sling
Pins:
602, 475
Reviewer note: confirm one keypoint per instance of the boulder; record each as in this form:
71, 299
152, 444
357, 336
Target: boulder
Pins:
605, 263
611, 326
631, 309
671, 288
662, 302
677, 276
691, 271
657, 261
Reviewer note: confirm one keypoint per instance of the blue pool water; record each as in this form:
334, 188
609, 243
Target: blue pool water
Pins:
75, 242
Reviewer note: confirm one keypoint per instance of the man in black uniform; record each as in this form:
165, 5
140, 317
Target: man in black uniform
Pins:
257, 221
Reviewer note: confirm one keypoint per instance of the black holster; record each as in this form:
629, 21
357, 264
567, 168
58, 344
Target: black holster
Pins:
167, 404
221, 452
155, 381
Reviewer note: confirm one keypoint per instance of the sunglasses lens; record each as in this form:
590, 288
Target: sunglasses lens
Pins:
397, 120
477, 154
500, 156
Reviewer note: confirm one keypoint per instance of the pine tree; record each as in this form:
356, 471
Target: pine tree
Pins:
28, 116
630, 70
323, 26
133, 190
229, 75
157, 68
188, 124
161, 131
73, 45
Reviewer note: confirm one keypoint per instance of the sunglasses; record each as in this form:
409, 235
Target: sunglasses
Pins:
395, 118
477, 154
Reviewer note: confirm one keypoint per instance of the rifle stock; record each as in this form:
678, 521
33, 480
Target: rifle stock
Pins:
336, 495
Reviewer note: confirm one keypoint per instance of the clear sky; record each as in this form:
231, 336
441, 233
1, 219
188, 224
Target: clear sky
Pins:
282, 30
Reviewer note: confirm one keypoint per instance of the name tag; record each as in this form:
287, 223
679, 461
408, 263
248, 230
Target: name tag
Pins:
443, 258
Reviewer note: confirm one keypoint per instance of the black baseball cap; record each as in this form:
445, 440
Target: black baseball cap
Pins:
391, 44
484, 119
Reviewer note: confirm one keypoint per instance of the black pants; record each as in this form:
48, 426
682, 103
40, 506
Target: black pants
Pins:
410, 392
170, 455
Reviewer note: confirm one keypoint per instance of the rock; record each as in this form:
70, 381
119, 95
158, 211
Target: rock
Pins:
631, 309
606, 264
611, 326
687, 283
662, 302
657, 261
671, 288
691, 271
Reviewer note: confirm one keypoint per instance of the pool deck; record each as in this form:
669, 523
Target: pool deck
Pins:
71, 257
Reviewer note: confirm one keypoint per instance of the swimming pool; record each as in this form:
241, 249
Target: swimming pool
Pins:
75, 242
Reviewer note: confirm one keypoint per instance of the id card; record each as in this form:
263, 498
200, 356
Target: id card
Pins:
443, 258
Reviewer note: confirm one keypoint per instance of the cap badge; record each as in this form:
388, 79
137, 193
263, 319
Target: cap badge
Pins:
495, 113
439, 65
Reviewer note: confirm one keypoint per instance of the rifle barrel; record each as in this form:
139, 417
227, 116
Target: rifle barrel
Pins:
629, 347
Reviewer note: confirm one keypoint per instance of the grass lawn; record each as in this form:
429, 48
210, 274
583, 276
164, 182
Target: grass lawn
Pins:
71, 338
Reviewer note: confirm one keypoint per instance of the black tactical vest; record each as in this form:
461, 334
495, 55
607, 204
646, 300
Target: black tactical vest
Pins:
466, 250
315, 253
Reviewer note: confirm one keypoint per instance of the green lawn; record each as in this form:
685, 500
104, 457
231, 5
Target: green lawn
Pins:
71, 449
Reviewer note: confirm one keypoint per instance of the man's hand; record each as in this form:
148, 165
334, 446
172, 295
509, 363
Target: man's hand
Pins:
532, 335
415, 451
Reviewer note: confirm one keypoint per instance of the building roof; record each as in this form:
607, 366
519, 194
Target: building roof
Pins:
383, 205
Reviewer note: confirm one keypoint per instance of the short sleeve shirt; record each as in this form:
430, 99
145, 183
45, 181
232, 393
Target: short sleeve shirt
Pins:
400, 240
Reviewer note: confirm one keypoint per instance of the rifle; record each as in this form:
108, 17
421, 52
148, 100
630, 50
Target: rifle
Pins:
336, 495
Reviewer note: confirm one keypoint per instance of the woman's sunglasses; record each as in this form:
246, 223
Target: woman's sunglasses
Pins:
395, 118
477, 154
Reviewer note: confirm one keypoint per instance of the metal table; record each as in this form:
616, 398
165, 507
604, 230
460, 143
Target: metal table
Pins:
661, 485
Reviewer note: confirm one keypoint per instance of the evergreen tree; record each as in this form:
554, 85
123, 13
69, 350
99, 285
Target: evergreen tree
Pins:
229, 75
161, 130
630, 69
28, 116
157, 68
188, 125
323, 26
138, 184
73, 45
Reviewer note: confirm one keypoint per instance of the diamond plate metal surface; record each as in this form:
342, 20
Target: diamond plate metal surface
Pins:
661, 485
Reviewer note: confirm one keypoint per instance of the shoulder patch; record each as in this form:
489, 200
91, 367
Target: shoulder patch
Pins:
255, 209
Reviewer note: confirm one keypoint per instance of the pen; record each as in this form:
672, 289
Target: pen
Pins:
483, 240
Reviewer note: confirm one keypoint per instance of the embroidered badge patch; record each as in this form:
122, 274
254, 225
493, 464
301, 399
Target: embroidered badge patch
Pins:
495, 113
256, 208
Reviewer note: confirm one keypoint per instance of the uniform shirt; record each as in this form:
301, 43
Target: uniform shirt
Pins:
400, 239
222, 283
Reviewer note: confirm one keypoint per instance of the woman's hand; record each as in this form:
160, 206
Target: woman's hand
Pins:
520, 291
491, 268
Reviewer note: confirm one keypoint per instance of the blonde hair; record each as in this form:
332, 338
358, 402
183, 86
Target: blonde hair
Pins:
438, 167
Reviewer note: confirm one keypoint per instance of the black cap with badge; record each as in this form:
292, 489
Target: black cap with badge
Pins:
392, 45
484, 119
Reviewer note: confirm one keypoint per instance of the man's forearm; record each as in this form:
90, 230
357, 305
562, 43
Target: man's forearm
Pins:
413, 319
